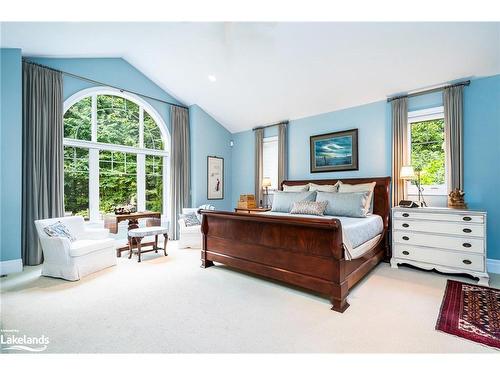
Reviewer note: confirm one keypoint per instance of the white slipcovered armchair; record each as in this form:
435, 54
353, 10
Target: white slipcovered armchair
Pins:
189, 236
92, 250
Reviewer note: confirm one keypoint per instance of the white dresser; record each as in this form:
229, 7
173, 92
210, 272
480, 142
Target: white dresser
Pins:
444, 239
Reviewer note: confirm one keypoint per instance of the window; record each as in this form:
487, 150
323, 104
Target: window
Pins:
427, 150
270, 160
114, 153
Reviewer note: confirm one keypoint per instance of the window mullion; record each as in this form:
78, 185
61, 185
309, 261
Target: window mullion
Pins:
141, 127
141, 182
94, 119
94, 185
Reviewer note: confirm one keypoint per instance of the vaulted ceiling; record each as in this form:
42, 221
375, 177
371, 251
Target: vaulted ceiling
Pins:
267, 72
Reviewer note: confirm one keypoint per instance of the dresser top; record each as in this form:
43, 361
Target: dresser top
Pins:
444, 210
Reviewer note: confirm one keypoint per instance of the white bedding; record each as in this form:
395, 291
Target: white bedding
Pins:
358, 234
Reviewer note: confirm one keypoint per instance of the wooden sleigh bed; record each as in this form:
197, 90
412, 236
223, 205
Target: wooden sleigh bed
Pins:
304, 252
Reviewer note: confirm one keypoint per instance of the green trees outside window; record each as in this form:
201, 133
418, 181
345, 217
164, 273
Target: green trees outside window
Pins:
427, 151
110, 142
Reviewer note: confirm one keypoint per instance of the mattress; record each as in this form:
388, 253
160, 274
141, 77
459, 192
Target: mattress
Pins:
359, 234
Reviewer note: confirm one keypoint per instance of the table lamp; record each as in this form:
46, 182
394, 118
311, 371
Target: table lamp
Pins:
266, 182
408, 173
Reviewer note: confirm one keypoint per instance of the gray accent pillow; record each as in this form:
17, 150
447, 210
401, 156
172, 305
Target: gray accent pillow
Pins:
368, 187
345, 204
59, 230
190, 219
283, 201
309, 208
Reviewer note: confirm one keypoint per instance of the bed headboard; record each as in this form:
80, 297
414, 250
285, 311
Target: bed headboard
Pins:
381, 203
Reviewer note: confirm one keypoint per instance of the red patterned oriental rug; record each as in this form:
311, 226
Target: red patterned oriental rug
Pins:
471, 312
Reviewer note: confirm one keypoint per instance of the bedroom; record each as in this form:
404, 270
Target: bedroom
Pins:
249, 187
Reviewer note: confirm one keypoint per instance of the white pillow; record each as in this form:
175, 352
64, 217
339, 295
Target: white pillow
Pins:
296, 188
324, 188
369, 187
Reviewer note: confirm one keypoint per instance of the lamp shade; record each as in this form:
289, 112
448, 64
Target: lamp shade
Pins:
266, 182
407, 173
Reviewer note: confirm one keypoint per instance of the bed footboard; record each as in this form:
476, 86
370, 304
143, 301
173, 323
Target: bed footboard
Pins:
304, 252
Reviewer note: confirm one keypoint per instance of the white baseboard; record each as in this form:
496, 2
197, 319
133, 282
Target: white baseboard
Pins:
493, 265
11, 266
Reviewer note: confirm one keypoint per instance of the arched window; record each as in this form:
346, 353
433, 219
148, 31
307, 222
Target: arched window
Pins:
115, 152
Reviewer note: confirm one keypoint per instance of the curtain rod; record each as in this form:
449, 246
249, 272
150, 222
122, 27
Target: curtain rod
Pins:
428, 91
271, 125
102, 83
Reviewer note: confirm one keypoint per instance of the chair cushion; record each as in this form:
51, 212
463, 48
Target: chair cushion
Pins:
147, 231
83, 247
193, 229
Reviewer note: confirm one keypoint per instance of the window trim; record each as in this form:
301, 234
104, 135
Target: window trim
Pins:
426, 114
94, 147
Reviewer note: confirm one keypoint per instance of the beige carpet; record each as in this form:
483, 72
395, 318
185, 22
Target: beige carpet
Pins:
170, 304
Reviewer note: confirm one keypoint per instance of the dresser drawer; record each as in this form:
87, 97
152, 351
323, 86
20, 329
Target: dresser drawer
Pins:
474, 245
461, 218
464, 261
460, 229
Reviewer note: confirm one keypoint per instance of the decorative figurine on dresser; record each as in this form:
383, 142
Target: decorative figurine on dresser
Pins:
445, 239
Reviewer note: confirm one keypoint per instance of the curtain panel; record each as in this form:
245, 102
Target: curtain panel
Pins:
43, 155
259, 166
282, 153
180, 189
453, 122
399, 147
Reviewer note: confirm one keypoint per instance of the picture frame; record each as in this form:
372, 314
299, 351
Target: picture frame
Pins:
215, 178
334, 152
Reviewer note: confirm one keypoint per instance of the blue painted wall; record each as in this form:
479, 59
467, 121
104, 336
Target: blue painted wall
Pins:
373, 137
481, 147
208, 138
10, 153
482, 153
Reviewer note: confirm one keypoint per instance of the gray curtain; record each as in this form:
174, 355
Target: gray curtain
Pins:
43, 166
399, 147
282, 153
259, 167
180, 188
453, 122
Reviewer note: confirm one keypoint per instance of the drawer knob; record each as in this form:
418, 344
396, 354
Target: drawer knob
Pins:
467, 230
406, 225
408, 253
466, 244
406, 238
466, 218
406, 215
467, 261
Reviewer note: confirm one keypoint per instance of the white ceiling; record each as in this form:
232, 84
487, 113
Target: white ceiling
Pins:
267, 72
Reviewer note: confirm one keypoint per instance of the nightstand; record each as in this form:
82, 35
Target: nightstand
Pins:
444, 239
252, 210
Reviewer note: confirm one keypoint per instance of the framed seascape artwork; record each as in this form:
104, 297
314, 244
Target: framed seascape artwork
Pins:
334, 152
215, 177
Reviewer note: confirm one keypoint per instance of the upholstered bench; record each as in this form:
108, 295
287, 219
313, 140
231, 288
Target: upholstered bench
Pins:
136, 235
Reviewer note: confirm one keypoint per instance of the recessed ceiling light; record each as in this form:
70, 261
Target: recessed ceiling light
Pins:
212, 78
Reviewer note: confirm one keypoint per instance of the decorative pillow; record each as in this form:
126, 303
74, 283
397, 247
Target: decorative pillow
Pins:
296, 188
345, 204
326, 188
59, 230
368, 187
190, 219
309, 208
283, 201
